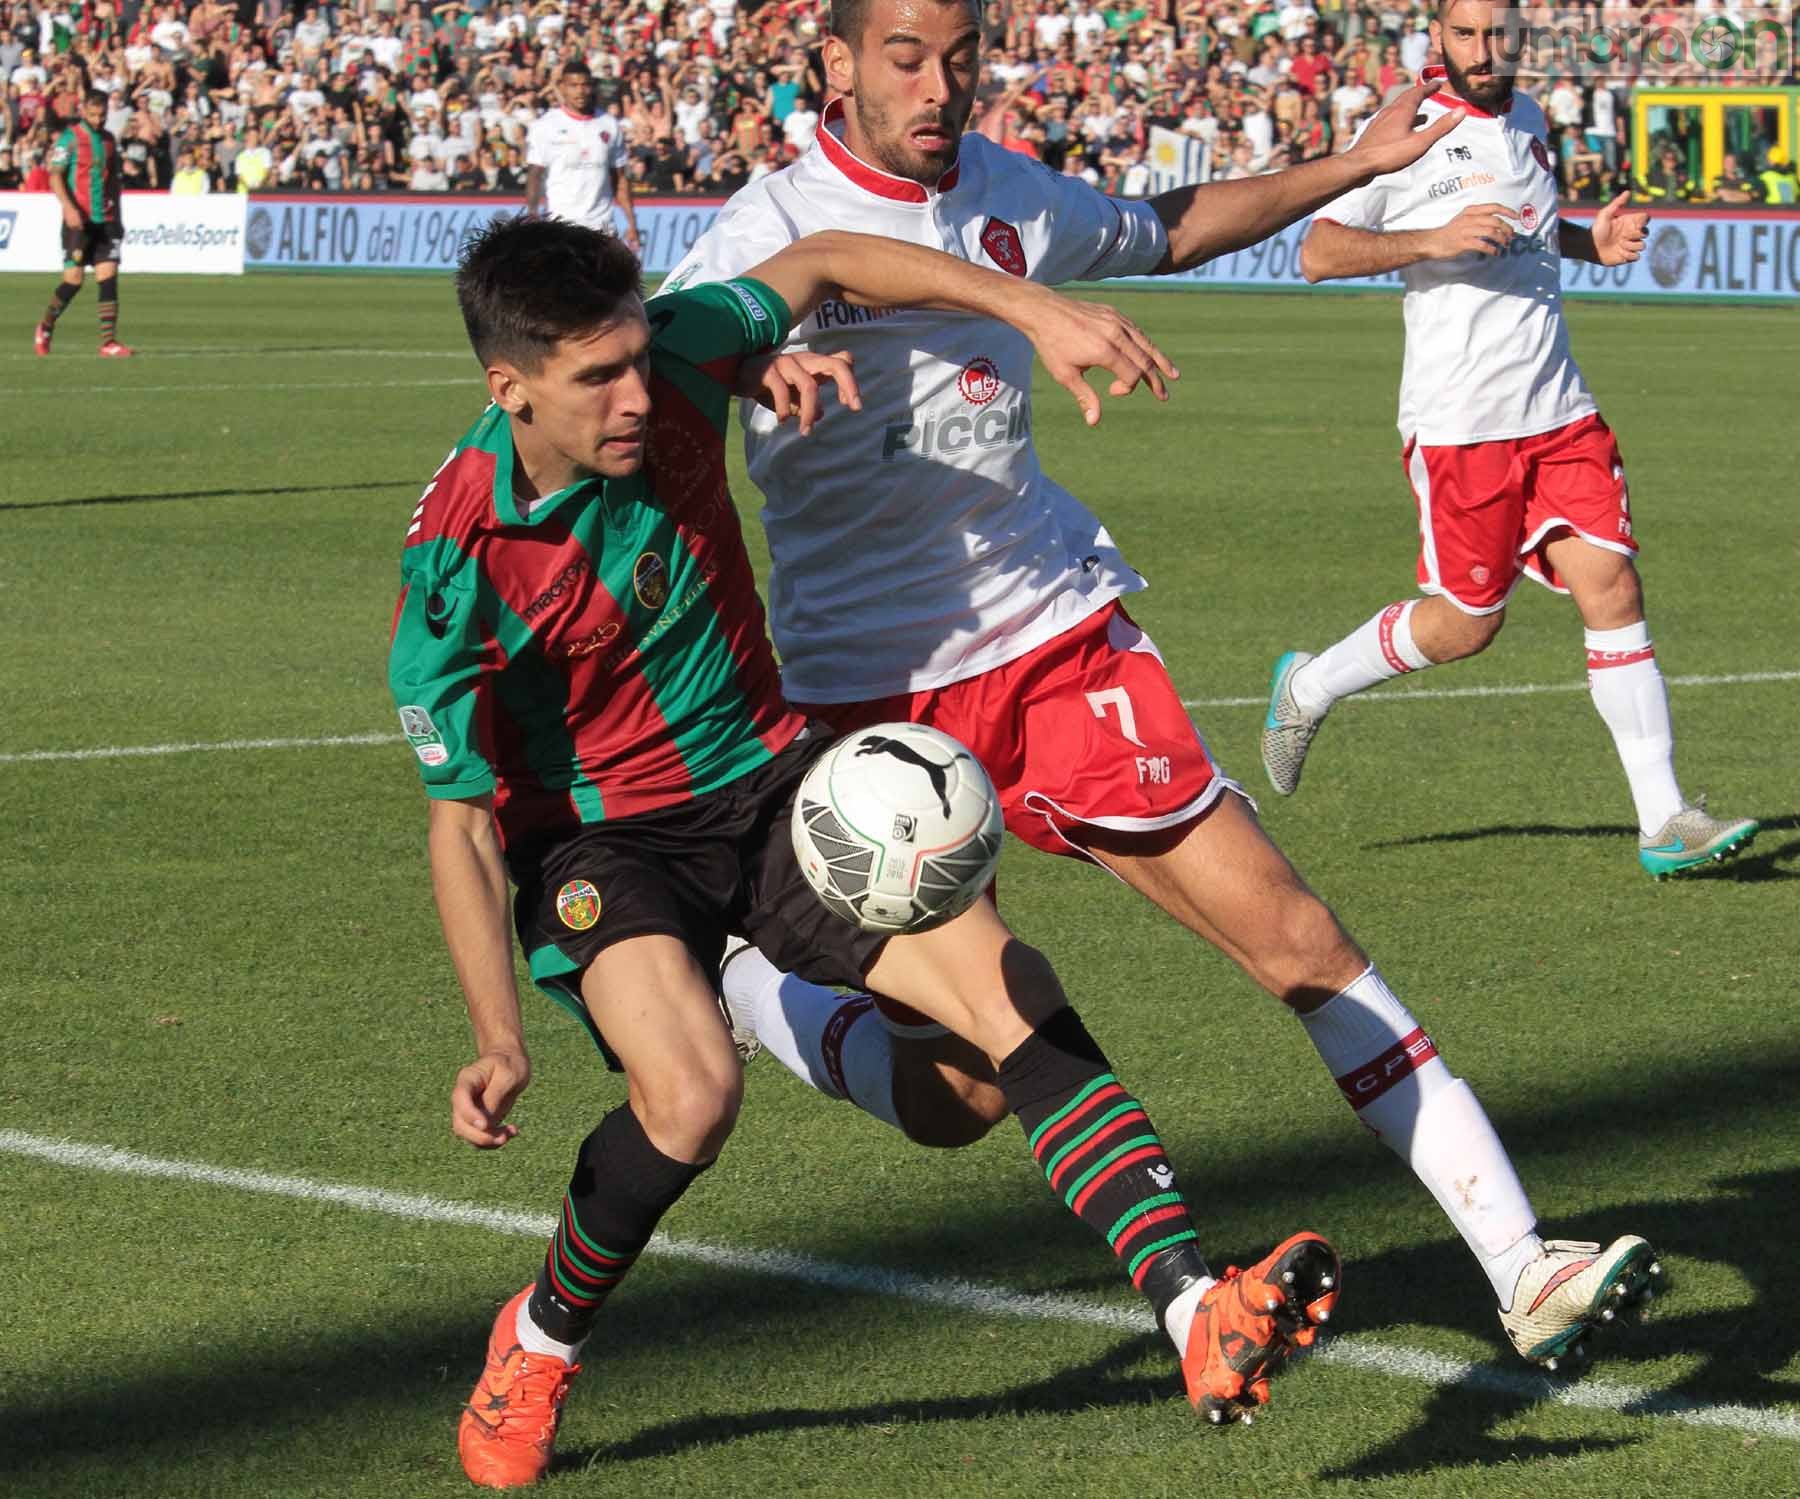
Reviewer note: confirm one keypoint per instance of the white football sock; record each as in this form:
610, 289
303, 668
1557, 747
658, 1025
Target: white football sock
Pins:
1380, 648
533, 1339
1178, 1320
830, 1041
1391, 1073
1629, 692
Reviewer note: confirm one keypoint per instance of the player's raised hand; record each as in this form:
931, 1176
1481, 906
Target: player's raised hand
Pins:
1480, 229
1393, 140
1620, 233
789, 384
483, 1095
1073, 337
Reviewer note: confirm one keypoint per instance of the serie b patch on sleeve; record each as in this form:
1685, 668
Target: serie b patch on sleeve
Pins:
422, 734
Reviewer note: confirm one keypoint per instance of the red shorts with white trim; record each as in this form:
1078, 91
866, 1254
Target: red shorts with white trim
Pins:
1487, 510
1085, 730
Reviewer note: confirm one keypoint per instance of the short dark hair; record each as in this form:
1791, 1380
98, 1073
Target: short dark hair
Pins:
850, 18
577, 68
524, 284
99, 96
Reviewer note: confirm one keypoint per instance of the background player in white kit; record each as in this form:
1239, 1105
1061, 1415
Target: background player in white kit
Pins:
999, 622
575, 160
1513, 469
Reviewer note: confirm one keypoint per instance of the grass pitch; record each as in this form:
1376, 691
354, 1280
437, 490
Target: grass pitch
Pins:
227, 957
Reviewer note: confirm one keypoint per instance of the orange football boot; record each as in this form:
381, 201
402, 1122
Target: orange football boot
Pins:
1250, 1320
507, 1434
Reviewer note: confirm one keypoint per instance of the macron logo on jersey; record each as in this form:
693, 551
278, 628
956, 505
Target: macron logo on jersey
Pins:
748, 298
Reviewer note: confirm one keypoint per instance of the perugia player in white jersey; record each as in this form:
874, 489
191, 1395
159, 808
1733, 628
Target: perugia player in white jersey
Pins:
925, 568
1513, 469
575, 160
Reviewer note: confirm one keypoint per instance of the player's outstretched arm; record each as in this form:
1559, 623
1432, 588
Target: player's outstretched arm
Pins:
791, 385
1070, 336
1616, 237
1331, 250
468, 877
1216, 218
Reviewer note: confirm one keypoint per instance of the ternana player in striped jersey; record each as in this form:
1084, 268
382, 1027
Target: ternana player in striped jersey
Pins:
581, 668
926, 568
84, 175
1513, 470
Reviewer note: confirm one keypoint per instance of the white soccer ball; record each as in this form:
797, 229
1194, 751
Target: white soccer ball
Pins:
897, 828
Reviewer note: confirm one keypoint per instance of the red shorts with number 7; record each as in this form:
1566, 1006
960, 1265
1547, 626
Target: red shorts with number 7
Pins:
1086, 729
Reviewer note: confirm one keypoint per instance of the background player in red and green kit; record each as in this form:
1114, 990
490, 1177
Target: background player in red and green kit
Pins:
84, 175
581, 667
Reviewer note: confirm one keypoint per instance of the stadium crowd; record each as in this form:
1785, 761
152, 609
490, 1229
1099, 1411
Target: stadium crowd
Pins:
436, 95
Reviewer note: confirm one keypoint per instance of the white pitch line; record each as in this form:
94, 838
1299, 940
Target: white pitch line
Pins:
1522, 689
132, 751
1360, 1352
243, 387
1515, 689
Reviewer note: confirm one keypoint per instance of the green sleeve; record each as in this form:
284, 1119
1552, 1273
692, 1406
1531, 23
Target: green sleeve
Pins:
720, 324
441, 670
62, 152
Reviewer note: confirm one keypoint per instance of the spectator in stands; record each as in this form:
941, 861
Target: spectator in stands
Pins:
336, 94
10, 176
1311, 67
189, 178
254, 165
1777, 178
1668, 178
1734, 185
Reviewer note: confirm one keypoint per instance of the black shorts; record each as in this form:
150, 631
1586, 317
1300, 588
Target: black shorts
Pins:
93, 243
720, 864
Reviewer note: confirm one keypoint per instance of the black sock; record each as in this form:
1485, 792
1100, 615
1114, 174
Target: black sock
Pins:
1101, 1155
109, 309
66, 292
621, 1187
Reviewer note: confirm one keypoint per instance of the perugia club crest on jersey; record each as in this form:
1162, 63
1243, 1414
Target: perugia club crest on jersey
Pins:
1541, 153
578, 905
1001, 241
979, 382
1528, 216
650, 581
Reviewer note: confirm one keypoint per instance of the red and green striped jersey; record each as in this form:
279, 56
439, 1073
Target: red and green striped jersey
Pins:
601, 652
88, 160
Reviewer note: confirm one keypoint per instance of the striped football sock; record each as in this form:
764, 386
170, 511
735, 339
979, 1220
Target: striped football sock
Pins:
1380, 648
621, 1187
109, 309
1097, 1148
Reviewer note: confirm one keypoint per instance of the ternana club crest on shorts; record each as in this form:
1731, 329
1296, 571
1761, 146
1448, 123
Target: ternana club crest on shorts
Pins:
578, 905
1001, 241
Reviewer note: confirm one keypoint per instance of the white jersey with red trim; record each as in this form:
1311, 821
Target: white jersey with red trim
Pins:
581, 156
1487, 346
917, 542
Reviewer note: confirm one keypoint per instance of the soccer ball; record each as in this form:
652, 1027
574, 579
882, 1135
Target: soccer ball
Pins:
897, 828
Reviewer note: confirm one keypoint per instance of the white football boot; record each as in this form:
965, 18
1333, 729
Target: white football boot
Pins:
1287, 732
1573, 1288
743, 1033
